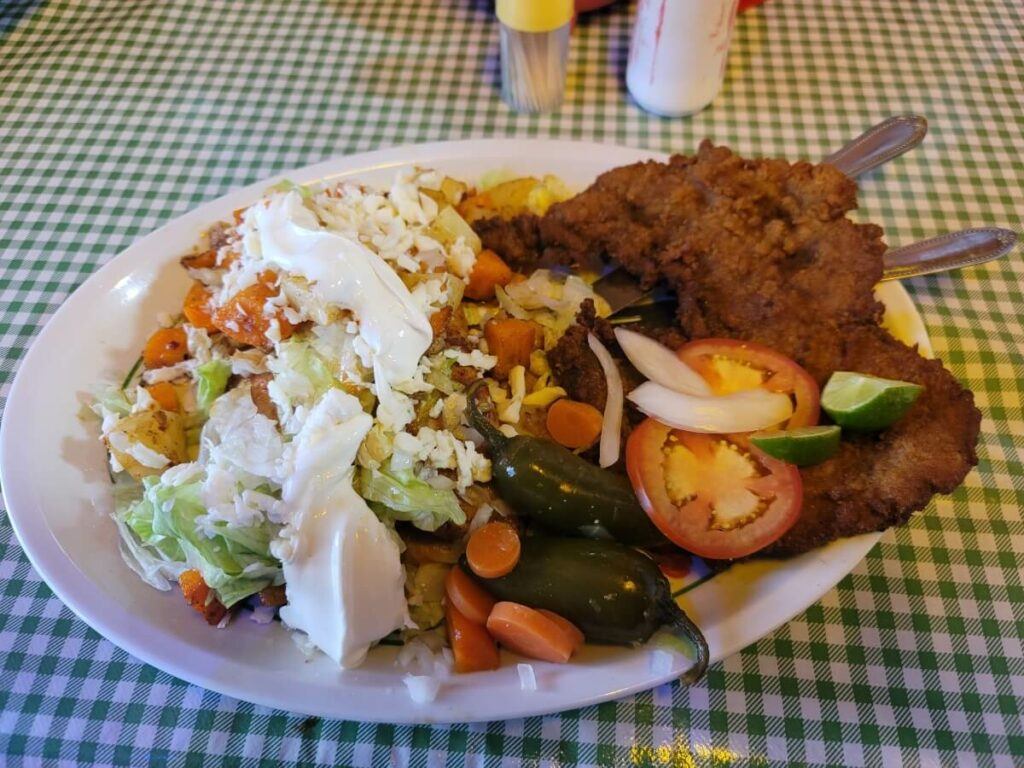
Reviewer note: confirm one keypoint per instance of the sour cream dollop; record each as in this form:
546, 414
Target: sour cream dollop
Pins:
345, 583
343, 271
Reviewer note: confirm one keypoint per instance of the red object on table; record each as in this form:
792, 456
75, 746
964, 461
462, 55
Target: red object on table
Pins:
744, 4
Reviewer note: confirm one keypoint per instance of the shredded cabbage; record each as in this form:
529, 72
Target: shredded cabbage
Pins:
402, 496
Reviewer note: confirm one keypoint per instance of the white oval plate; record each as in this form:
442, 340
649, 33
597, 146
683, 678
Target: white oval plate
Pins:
58, 496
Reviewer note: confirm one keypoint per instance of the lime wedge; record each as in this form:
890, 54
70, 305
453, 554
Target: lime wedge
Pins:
866, 403
803, 446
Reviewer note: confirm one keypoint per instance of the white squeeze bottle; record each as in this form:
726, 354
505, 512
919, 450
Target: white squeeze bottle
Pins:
678, 53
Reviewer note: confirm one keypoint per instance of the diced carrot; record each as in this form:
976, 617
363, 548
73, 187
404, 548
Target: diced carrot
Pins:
529, 633
567, 626
493, 550
574, 424
165, 394
259, 393
197, 307
167, 346
439, 320
473, 648
242, 318
467, 596
205, 260
489, 271
198, 595
510, 340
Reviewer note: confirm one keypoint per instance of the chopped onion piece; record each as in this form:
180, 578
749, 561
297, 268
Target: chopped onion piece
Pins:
611, 424
660, 364
745, 411
263, 614
423, 689
527, 677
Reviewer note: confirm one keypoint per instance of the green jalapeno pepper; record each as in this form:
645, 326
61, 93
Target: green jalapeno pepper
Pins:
613, 593
552, 486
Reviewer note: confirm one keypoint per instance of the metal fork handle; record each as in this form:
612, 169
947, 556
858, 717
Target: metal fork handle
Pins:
879, 144
954, 250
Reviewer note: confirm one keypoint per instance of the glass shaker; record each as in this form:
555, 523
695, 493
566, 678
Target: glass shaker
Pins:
534, 52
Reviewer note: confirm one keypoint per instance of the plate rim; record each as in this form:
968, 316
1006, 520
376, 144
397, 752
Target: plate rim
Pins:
41, 546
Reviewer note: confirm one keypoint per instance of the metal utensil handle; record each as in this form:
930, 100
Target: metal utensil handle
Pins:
965, 248
880, 144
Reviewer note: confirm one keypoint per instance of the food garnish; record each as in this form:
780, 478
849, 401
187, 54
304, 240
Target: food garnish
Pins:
660, 364
714, 495
493, 550
574, 424
561, 492
612, 593
744, 411
731, 366
472, 600
611, 423
473, 647
803, 446
530, 633
866, 403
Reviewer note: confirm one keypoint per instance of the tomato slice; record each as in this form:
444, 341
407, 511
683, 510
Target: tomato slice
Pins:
730, 365
716, 496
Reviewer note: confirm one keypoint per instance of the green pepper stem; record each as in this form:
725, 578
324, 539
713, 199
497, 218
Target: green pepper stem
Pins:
480, 421
680, 625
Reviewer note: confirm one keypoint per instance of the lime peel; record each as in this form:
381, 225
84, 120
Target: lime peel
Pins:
803, 446
866, 403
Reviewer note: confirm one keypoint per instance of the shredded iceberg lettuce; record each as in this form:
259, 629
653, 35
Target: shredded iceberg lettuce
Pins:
211, 380
402, 496
301, 377
169, 535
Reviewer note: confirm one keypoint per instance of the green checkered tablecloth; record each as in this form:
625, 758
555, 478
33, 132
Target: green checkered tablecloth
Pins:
117, 116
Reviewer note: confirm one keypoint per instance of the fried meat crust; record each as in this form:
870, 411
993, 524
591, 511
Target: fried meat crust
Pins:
763, 250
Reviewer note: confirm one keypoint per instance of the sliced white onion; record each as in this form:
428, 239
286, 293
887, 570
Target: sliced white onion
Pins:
611, 424
745, 411
660, 364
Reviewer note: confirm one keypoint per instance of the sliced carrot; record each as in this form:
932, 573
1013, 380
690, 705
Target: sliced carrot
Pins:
167, 346
489, 271
571, 630
474, 650
197, 307
242, 318
493, 550
471, 600
511, 341
574, 424
198, 595
165, 394
530, 633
